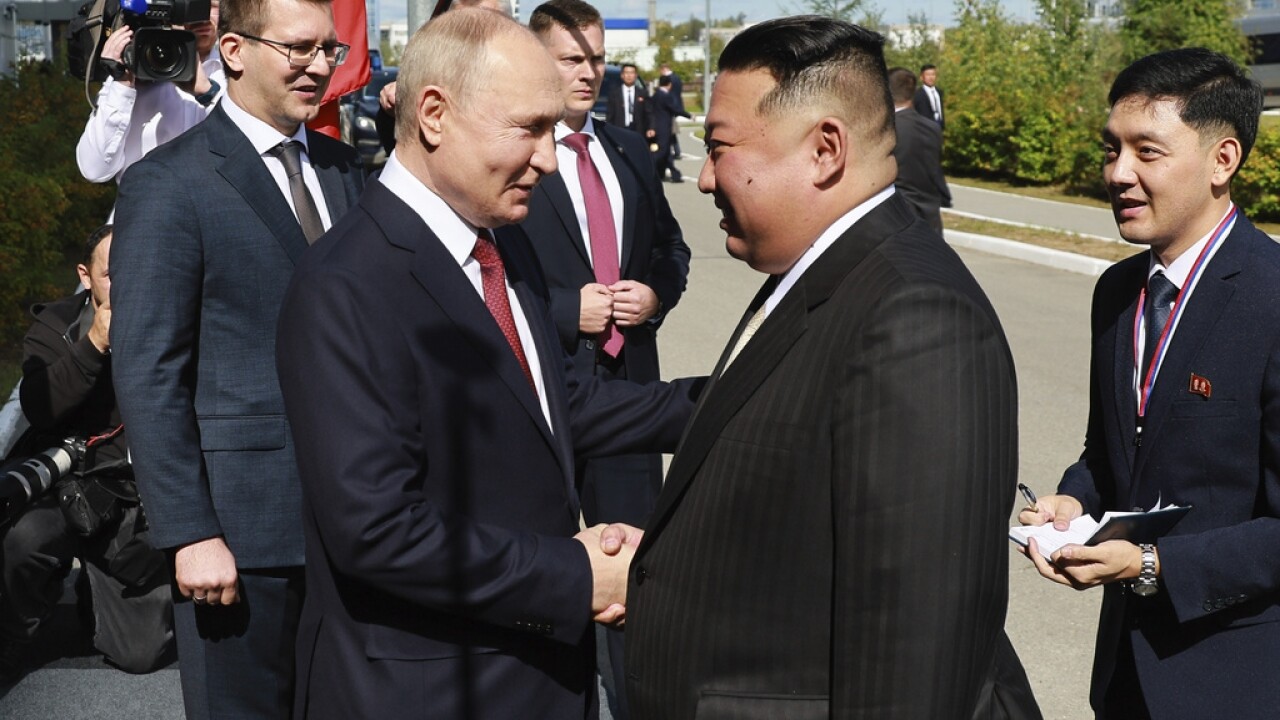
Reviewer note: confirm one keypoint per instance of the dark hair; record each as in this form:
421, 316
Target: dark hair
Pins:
95, 239
902, 84
568, 14
664, 81
624, 66
927, 66
811, 55
1214, 94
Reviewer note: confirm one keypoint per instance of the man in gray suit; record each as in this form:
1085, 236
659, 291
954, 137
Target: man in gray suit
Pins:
830, 540
208, 229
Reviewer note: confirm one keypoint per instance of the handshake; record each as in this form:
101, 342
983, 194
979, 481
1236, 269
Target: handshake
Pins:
610, 549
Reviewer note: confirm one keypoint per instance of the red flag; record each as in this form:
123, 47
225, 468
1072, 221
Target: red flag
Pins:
350, 19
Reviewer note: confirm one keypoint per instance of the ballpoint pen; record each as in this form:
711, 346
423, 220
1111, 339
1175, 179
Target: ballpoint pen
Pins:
1030, 496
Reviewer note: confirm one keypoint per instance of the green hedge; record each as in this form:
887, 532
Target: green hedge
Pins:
46, 208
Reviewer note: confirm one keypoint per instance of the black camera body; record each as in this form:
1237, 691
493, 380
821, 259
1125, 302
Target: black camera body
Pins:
24, 480
159, 52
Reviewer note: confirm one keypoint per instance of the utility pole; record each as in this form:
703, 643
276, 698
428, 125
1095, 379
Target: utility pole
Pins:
419, 14
706, 60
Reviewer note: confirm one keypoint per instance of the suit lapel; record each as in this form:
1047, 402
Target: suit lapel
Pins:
556, 194
1121, 381
781, 330
623, 169
1204, 307
331, 180
244, 168
439, 275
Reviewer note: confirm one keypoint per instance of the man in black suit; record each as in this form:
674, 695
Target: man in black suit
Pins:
677, 92
1184, 407
665, 110
928, 98
628, 104
918, 152
209, 226
615, 269
446, 574
793, 567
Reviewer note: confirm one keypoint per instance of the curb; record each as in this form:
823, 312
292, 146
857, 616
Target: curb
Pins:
1057, 259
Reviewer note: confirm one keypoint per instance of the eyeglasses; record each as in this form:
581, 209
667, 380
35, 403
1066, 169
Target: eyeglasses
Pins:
302, 54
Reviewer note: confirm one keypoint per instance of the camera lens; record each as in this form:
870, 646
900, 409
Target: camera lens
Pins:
163, 57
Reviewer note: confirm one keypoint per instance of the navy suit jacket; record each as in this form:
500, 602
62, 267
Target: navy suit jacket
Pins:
1205, 645
204, 246
439, 506
653, 251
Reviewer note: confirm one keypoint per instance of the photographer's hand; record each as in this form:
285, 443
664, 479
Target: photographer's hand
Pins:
199, 85
100, 333
113, 49
206, 572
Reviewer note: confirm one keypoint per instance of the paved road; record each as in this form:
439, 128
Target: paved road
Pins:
1079, 219
1045, 315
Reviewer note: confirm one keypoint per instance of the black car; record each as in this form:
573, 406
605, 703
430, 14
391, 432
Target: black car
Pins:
358, 114
612, 78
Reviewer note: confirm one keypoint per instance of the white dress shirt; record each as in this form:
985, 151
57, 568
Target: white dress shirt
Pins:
130, 122
263, 137
628, 102
459, 239
567, 158
935, 101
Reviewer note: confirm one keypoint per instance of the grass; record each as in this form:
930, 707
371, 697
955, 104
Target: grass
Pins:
1053, 239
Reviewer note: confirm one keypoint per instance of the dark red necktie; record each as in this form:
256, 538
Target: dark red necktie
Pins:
604, 239
493, 276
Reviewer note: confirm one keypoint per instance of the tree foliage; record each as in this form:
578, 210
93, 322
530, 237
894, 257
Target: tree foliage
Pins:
46, 208
1154, 25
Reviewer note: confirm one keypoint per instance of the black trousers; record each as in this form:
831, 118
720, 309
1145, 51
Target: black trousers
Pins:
237, 661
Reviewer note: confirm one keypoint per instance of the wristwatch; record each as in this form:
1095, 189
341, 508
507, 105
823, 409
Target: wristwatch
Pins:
1145, 585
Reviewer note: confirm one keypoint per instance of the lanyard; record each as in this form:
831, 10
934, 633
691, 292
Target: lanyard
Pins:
1162, 345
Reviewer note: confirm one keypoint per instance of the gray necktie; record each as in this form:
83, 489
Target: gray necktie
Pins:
1160, 296
289, 154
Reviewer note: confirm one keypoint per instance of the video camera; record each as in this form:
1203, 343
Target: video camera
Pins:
22, 481
159, 52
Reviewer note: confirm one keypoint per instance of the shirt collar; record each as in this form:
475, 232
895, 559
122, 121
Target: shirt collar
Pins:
563, 131
262, 136
1180, 268
457, 235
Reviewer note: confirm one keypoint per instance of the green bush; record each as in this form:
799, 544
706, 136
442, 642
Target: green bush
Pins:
1257, 186
46, 208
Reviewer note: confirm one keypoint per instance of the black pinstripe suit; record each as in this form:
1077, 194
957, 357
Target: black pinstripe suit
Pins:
831, 541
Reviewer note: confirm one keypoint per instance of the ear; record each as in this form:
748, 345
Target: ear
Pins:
230, 46
830, 147
1226, 160
432, 104
83, 272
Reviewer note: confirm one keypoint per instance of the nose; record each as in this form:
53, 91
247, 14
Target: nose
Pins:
707, 177
1119, 172
319, 65
544, 155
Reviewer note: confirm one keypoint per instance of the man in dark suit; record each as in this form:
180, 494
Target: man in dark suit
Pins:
1189, 621
665, 110
208, 229
444, 578
918, 152
614, 260
677, 92
830, 540
628, 104
928, 98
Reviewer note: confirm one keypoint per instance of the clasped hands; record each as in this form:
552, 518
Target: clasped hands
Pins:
626, 303
1078, 566
610, 549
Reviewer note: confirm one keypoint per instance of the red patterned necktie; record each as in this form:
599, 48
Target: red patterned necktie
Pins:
493, 276
604, 239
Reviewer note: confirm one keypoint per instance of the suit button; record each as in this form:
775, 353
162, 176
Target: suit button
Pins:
641, 575
591, 344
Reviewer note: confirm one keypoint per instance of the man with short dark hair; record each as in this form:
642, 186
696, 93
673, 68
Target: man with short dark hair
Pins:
1184, 407
665, 110
789, 569
928, 98
66, 392
628, 104
208, 229
918, 152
